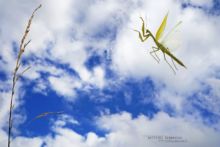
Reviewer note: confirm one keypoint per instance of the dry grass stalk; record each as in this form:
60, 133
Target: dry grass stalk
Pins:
16, 75
45, 114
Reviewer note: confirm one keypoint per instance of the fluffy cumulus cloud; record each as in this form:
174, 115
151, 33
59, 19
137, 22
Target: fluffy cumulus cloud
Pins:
63, 86
67, 34
123, 130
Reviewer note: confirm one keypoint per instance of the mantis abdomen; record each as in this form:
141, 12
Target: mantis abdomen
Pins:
173, 57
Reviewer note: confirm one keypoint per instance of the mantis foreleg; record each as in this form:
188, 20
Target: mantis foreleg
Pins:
143, 26
142, 38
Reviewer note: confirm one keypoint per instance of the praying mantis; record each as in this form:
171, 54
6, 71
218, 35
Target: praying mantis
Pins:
146, 33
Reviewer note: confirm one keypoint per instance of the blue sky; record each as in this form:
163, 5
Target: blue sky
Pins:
87, 61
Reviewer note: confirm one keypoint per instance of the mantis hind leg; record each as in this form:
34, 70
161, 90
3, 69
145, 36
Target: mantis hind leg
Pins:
154, 51
168, 63
174, 64
173, 61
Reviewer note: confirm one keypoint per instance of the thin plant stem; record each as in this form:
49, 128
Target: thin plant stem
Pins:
16, 75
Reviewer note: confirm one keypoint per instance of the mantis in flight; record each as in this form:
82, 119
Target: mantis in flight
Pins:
144, 34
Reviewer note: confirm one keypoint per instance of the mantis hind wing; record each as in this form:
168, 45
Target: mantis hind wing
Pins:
172, 39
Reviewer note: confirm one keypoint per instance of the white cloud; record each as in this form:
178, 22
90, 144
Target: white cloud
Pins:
65, 137
98, 78
174, 100
4, 104
65, 119
123, 130
65, 86
21, 141
3, 138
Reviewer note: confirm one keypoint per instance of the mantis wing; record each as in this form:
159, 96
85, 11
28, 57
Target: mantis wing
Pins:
173, 30
161, 28
172, 39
